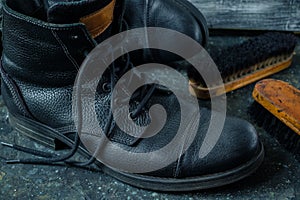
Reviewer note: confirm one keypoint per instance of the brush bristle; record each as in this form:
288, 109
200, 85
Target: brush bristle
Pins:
285, 136
254, 51
251, 52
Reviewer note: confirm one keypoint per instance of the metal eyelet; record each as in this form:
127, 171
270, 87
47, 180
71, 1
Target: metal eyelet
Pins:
130, 116
106, 87
74, 37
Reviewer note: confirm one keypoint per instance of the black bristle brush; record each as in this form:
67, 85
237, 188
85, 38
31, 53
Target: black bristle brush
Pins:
245, 63
277, 110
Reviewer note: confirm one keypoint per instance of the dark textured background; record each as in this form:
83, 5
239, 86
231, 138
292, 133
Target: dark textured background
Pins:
251, 14
277, 178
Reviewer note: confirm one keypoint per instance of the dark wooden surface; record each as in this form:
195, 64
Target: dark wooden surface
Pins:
283, 15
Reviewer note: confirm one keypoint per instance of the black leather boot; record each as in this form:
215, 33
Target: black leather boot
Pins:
179, 15
39, 65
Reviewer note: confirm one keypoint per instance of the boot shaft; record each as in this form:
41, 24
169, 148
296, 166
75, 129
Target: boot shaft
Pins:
44, 48
34, 47
41, 58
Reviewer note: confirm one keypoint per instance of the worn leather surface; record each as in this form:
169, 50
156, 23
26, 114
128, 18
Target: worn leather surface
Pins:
40, 62
238, 142
43, 60
173, 14
178, 15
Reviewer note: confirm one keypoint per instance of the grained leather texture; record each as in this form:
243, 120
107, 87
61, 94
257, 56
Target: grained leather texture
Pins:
39, 65
237, 145
67, 44
43, 60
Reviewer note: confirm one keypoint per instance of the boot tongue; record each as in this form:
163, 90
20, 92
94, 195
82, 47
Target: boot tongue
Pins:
66, 11
97, 15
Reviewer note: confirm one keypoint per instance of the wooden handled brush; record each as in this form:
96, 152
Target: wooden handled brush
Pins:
277, 109
248, 62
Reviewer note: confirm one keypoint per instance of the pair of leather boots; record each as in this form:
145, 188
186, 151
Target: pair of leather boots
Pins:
44, 45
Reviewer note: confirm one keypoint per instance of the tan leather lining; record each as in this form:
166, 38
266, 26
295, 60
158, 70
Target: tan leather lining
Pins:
97, 22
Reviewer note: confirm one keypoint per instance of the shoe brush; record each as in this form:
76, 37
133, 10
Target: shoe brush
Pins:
277, 109
248, 62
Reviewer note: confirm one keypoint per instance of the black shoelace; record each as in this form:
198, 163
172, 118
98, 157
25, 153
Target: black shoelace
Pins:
145, 93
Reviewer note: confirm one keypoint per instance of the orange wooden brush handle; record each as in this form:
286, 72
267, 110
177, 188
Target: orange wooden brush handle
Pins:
206, 93
281, 99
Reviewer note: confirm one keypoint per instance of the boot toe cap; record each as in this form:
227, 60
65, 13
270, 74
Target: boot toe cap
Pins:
237, 145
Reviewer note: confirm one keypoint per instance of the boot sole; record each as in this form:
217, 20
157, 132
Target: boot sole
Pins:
50, 137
